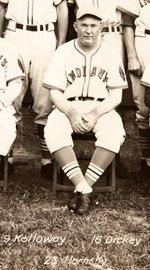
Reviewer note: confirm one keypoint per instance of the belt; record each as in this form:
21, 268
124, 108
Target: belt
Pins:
40, 27
147, 32
85, 98
111, 29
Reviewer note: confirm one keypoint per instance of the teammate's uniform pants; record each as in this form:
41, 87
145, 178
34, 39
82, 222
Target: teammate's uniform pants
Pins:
36, 49
109, 131
115, 40
142, 45
7, 129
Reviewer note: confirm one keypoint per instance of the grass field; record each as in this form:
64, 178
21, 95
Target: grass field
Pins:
38, 232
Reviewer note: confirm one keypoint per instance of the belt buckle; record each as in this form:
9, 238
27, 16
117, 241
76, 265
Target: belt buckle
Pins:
76, 98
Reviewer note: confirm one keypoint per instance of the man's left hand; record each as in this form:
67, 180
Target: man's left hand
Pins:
90, 120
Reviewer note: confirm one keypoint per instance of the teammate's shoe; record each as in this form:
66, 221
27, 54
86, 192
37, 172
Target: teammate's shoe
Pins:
83, 203
73, 201
47, 171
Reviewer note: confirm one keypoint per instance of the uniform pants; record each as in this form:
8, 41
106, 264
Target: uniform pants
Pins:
109, 131
7, 130
142, 44
36, 49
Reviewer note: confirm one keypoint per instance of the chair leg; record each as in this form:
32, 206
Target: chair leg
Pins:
5, 173
55, 176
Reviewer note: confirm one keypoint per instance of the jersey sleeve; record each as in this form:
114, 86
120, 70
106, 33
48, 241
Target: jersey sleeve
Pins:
55, 77
116, 77
57, 2
131, 7
4, 1
145, 80
71, 2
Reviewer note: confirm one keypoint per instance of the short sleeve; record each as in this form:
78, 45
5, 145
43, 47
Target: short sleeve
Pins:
55, 77
4, 1
116, 74
57, 2
145, 80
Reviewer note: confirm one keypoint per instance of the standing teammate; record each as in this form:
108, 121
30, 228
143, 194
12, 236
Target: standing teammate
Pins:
10, 88
31, 26
85, 85
137, 40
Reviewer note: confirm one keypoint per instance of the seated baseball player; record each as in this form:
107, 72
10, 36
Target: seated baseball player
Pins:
85, 79
11, 77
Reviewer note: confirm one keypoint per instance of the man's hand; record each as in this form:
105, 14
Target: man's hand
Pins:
1, 106
77, 122
134, 66
90, 120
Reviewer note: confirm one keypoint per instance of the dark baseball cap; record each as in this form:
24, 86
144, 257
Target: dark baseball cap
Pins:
88, 11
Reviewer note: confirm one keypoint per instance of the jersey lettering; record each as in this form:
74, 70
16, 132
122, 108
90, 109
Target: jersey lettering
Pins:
80, 72
3, 60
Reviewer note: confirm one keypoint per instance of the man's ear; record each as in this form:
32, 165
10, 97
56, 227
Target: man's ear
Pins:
75, 26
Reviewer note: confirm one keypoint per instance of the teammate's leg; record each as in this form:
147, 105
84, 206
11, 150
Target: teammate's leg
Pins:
41, 55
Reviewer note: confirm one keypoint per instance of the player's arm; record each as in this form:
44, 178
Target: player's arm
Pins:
62, 22
134, 65
13, 91
62, 104
2, 17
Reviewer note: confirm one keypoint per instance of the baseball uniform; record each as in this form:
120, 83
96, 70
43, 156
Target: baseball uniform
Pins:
10, 88
36, 45
87, 76
31, 29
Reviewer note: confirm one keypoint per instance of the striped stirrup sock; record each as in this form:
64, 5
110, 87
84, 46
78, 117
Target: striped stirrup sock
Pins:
94, 172
44, 149
71, 169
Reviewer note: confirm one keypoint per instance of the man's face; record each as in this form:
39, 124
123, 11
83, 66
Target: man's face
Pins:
88, 29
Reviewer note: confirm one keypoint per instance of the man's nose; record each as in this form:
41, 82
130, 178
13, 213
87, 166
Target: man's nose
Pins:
88, 29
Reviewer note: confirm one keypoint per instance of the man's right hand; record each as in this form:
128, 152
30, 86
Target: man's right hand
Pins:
134, 66
77, 122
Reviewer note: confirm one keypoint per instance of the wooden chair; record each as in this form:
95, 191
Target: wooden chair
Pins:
4, 181
109, 175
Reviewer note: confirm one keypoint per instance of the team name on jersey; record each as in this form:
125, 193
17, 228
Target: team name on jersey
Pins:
3, 60
81, 72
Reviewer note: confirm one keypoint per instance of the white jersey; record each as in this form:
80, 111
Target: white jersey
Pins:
143, 19
76, 73
32, 12
146, 78
108, 9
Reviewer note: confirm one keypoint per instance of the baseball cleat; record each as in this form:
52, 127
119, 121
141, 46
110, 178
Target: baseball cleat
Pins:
73, 201
47, 171
83, 203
